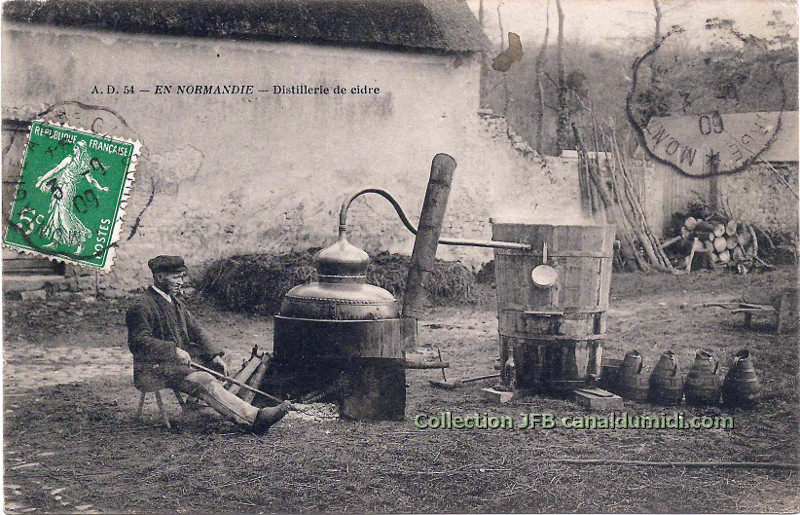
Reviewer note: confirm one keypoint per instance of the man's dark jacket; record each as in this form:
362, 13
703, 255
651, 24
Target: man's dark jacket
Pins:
155, 328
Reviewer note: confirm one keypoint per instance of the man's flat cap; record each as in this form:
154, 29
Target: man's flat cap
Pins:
169, 264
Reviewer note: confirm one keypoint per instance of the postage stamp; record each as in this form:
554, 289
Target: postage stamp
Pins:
71, 195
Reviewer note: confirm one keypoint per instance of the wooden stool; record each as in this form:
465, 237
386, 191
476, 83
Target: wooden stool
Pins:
160, 403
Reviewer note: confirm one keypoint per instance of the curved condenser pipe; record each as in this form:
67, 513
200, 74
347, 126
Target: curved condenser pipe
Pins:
407, 223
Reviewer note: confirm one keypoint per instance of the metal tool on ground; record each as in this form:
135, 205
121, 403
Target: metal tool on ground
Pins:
452, 385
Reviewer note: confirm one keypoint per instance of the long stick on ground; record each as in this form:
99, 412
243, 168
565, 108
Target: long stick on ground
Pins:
689, 464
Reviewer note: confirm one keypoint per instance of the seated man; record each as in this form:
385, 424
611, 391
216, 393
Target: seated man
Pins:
164, 337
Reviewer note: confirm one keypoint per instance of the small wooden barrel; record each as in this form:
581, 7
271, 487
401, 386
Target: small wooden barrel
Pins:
555, 333
666, 381
741, 387
633, 383
610, 374
702, 382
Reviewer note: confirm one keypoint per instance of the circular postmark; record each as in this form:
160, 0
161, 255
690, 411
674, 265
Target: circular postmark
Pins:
690, 112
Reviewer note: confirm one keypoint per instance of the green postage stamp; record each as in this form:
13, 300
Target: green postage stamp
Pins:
71, 195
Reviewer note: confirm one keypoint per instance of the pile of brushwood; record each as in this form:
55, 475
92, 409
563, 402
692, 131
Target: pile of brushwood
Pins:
256, 283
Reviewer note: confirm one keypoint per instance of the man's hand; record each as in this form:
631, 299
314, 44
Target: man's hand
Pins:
221, 363
183, 356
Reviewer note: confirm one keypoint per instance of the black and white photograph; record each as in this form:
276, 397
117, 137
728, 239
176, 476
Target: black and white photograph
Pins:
400, 256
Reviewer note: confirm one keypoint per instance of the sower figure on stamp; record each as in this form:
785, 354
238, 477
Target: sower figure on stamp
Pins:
164, 337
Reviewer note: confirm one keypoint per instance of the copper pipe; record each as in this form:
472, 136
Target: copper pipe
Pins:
413, 230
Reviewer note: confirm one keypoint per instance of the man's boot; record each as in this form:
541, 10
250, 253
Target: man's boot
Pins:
267, 417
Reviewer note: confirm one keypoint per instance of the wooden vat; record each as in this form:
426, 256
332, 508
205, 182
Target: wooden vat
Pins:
555, 334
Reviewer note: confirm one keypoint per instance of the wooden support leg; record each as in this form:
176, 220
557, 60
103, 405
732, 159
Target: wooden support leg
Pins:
164, 416
180, 399
786, 313
748, 317
141, 405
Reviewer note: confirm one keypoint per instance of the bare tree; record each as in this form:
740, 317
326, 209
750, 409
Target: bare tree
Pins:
562, 127
484, 64
656, 40
505, 76
541, 60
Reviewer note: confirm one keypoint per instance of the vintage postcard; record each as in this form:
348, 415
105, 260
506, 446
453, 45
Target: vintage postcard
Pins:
400, 256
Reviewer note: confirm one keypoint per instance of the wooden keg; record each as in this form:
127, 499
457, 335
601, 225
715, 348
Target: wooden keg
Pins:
555, 333
741, 386
634, 381
666, 381
702, 382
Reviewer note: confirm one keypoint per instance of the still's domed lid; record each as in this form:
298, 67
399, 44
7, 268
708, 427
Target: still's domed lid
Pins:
343, 260
341, 292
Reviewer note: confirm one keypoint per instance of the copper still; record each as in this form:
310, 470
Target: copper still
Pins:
341, 329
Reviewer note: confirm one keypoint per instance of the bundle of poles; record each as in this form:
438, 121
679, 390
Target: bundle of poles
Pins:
610, 191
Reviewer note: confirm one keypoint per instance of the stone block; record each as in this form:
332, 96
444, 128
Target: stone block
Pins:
497, 395
33, 295
596, 399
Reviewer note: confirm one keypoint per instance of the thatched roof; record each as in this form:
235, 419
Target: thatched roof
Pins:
433, 25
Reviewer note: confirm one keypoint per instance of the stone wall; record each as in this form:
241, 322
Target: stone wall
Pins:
763, 196
758, 196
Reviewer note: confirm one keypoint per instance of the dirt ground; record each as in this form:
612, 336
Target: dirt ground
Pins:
72, 443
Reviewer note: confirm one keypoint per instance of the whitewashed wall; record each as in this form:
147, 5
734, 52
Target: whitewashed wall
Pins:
256, 173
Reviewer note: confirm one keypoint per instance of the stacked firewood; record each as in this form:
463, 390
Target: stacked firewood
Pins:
720, 243
251, 374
